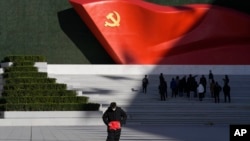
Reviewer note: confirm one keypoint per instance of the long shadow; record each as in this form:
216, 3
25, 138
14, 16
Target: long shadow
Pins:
98, 91
116, 77
82, 37
242, 6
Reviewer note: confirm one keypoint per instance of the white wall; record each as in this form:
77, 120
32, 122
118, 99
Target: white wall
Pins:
149, 69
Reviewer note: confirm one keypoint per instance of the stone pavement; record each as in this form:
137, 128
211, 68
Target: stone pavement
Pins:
129, 133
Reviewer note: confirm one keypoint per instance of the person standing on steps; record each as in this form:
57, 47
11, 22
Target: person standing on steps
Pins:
210, 76
203, 81
173, 87
217, 90
145, 84
161, 78
114, 117
226, 91
212, 84
226, 79
163, 90
200, 90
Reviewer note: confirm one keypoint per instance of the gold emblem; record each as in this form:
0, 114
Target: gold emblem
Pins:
115, 19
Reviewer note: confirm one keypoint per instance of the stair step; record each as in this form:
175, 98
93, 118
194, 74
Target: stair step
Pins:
148, 109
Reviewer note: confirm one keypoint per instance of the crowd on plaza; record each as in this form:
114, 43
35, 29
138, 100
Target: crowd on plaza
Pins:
185, 86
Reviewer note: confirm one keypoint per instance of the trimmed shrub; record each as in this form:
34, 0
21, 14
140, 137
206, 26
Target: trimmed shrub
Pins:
21, 58
29, 80
38, 93
52, 107
26, 63
45, 99
35, 86
26, 89
22, 69
2, 100
25, 74
2, 107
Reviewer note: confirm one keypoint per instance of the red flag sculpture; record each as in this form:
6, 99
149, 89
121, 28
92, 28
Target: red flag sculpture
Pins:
138, 32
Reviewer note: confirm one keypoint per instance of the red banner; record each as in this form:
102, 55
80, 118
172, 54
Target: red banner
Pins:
138, 32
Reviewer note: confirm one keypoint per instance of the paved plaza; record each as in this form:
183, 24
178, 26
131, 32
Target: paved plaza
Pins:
129, 133
149, 119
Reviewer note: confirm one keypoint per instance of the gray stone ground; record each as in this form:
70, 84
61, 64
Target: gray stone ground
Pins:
129, 133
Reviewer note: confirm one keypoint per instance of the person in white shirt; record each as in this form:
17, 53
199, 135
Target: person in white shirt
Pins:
200, 90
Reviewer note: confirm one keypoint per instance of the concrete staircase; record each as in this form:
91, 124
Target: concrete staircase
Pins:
149, 110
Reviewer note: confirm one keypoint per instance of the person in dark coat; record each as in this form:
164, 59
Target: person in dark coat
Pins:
145, 84
226, 91
217, 90
173, 87
114, 117
210, 76
163, 90
203, 81
161, 78
182, 86
191, 85
212, 84
226, 79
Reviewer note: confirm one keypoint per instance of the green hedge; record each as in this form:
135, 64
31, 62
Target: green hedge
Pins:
23, 58
2, 107
29, 80
22, 69
51, 107
26, 89
26, 63
24, 74
38, 93
47, 86
45, 99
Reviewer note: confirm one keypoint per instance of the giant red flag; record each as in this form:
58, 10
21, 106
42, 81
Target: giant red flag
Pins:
138, 32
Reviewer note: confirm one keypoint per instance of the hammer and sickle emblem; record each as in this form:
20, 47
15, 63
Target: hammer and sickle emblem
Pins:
115, 20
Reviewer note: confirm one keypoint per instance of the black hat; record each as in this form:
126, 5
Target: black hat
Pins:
113, 105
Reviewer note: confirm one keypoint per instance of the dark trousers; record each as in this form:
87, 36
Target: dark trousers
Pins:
227, 96
174, 92
201, 96
114, 135
163, 98
188, 93
144, 89
217, 98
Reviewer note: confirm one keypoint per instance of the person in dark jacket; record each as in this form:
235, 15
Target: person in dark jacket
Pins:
145, 84
226, 79
210, 76
161, 78
226, 91
173, 87
163, 90
217, 90
203, 81
114, 117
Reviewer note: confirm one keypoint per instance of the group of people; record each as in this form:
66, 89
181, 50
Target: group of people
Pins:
215, 88
186, 85
162, 86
